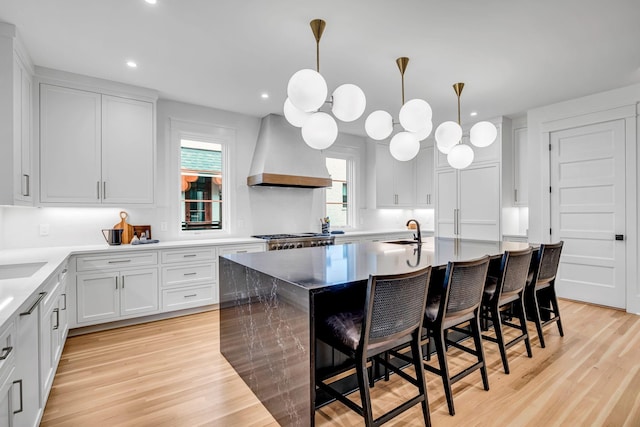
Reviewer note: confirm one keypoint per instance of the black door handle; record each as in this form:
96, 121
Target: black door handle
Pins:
619, 236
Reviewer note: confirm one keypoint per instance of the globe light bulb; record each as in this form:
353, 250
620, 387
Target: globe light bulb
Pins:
307, 90
482, 134
414, 114
404, 146
460, 156
294, 116
379, 125
320, 131
423, 133
349, 102
448, 134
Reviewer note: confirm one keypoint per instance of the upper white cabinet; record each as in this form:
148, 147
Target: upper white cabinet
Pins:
404, 184
395, 180
95, 148
15, 121
424, 177
469, 201
520, 169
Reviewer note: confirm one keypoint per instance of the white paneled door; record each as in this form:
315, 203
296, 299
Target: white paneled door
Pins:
588, 211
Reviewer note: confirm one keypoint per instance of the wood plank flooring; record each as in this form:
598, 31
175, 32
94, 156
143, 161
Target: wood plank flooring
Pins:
171, 373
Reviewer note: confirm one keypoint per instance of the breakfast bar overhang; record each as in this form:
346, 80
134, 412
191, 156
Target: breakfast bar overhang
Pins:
269, 302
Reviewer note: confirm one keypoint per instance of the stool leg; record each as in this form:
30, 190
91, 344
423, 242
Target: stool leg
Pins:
477, 338
497, 326
441, 349
556, 310
523, 325
363, 385
416, 352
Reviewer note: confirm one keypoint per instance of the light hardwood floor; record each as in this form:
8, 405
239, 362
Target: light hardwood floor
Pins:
171, 373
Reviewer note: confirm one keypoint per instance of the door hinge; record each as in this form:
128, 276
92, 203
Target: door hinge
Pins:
549, 189
549, 147
550, 233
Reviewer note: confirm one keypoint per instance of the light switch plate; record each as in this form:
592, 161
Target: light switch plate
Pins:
44, 229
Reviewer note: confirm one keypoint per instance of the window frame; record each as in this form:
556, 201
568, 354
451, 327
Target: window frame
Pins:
225, 137
351, 159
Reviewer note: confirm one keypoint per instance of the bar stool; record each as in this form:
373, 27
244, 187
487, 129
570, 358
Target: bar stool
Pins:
507, 291
458, 303
392, 316
542, 281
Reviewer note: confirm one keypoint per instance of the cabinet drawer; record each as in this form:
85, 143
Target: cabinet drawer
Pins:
193, 296
188, 255
184, 275
52, 290
226, 250
87, 263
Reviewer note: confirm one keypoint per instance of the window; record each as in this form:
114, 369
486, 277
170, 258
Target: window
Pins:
339, 200
201, 185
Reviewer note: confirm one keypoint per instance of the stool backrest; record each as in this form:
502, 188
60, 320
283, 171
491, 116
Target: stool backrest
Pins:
394, 306
549, 259
464, 281
515, 269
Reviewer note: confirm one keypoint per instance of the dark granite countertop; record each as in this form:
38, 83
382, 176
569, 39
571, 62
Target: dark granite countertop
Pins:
316, 268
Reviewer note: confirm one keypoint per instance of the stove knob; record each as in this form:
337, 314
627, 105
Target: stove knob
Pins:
289, 246
313, 244
299, 245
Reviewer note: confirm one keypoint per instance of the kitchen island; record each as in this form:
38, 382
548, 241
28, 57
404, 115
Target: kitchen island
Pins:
269, 303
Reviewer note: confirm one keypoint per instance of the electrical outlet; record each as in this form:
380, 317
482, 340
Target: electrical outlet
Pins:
163, 226
44, 229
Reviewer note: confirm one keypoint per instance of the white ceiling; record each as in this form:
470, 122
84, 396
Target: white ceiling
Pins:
513, 55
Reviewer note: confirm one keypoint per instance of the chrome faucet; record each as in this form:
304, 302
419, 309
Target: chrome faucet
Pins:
419, 236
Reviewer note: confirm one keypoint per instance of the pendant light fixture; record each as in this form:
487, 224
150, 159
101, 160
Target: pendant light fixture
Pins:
307, 92
449, 137
415, 118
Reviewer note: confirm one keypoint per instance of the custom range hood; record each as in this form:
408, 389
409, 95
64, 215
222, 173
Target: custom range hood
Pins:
282, 159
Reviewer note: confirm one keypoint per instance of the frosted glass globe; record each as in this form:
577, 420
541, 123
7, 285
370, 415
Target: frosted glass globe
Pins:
349, 102
379, 125
320, 131
448, 134
404, 146
294, 116
307, 90
482, 134
460, 156
414, 114
423, 133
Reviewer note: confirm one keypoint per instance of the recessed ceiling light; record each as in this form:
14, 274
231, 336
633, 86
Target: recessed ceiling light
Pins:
151, 1
473, 113
264, 96
132, 64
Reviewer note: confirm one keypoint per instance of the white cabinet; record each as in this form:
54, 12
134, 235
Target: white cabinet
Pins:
16, 172
395, 180
520, 168
424, 177
9, 393
27, 371
95, 148
107, 296
189, 278
468, 202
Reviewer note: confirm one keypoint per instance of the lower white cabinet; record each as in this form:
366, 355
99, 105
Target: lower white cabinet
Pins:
9, 401
192, 296
27, 372
108, 296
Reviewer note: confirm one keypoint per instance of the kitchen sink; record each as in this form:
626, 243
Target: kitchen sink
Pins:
19, 271
403, 242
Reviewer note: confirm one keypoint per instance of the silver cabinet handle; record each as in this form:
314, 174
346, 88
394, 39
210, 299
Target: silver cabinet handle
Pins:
5, 352
21, 405
190, 274
65, 301
57, 312
120, 261
241, 252
191, 295
116, 281
515, 195
35, 304
122, 281
189, 255
26, 185
104, 190
98, 190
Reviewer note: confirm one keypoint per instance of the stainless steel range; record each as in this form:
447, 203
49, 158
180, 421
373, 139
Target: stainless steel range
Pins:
277, 242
